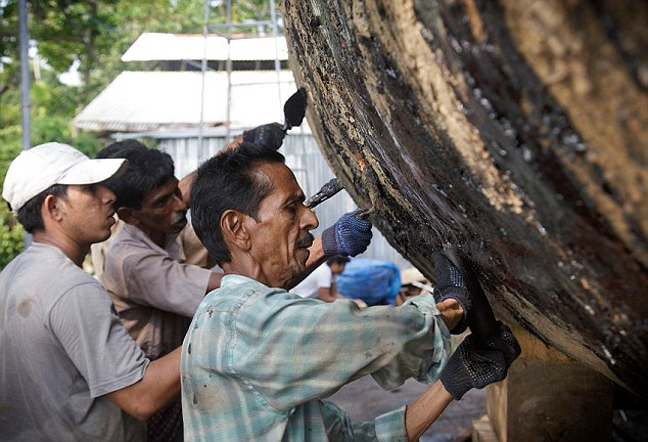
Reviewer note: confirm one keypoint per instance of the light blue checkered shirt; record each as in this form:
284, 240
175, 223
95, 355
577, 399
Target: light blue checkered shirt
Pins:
257, 360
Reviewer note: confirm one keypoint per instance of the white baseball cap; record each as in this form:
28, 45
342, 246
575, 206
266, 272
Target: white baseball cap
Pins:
42, 166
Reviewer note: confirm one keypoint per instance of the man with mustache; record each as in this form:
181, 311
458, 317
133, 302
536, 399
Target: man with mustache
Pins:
69, 371
154, 290
257, 361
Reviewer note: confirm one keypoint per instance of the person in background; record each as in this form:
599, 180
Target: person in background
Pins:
68, 368
374, 281
257, 361
413, 283
322, 282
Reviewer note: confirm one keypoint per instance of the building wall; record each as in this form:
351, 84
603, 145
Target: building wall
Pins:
310, 168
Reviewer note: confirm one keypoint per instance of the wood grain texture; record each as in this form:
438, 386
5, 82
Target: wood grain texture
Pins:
517, 130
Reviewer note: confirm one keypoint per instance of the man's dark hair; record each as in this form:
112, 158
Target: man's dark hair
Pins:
338, 260
228, 181
147, 170
30, 215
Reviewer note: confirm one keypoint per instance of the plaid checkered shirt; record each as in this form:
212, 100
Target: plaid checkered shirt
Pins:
257, 362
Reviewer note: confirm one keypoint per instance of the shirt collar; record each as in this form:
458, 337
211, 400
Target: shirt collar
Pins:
232, 280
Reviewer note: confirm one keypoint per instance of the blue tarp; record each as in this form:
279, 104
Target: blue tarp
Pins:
375, 282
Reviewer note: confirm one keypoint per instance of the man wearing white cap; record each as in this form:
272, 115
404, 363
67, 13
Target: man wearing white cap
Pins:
68, 368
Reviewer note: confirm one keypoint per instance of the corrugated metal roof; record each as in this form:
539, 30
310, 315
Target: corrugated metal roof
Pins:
156, 46
151, 101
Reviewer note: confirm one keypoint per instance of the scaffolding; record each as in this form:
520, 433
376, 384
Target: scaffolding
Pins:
225, 30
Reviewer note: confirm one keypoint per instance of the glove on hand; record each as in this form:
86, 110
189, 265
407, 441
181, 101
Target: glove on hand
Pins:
451, 285
269, 135
349, 236
472, 366
504, 342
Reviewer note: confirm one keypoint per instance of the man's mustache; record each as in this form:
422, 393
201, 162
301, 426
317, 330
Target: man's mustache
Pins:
306, 241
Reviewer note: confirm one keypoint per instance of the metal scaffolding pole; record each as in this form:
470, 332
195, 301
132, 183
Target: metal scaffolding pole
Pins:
275, 33
24, 75
25, 97
228, 134
203, 69
229, 26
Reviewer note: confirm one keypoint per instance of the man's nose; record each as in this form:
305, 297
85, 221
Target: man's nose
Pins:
107, 196
309, 219
180, 205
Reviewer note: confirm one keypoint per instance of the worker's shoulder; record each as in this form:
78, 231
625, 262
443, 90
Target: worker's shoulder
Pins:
238, 292
43, 271
131, 245
130, 237
43, 261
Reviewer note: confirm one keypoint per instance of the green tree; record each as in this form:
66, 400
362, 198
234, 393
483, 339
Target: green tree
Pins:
11, 233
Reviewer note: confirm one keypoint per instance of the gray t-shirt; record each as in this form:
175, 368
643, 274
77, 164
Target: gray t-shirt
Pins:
62, 349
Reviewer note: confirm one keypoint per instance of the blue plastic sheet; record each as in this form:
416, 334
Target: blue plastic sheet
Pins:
375, 282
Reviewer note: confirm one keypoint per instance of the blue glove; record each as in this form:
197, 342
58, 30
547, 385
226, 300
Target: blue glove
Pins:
349, 236
269, 135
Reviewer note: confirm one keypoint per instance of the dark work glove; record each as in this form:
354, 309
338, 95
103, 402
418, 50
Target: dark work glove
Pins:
451, 285
504, 342
349, 236
472, 366
269, 135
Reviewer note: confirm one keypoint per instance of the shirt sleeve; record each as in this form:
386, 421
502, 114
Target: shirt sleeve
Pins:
390, 343
388, 427
86, 325
158, 281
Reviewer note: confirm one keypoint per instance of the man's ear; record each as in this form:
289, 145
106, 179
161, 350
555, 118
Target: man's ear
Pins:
126, 214
235, 233
52, 208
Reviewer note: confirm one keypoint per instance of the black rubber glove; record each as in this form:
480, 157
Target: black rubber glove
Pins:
349, 236
452, 285
269, 135
472, 366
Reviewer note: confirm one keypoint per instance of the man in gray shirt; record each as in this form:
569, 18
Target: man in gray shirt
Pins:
68, 368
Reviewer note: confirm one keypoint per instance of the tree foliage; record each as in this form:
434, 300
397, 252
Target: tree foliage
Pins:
93, 35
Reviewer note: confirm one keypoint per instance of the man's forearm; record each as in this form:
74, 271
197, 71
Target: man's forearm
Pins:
159, 386
185, 183
324, 294
425, 410
185, 187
